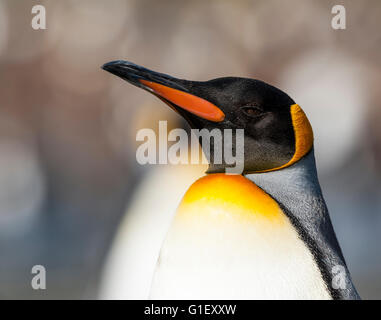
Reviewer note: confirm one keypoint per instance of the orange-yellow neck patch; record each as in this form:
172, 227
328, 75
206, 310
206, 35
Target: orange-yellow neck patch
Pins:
229, 196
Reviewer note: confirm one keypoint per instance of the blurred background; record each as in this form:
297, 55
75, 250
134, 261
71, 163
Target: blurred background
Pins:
70, 186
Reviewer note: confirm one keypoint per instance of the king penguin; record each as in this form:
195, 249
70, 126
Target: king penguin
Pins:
262, 234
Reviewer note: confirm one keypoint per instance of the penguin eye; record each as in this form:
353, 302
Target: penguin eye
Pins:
252, 111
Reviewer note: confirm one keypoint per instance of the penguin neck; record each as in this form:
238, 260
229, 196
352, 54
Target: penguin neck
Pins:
298, 182
297, 191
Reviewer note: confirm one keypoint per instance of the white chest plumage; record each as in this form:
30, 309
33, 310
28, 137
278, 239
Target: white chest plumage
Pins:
230, 240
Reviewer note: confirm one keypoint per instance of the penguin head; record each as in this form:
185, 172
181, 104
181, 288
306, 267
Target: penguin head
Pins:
277, 133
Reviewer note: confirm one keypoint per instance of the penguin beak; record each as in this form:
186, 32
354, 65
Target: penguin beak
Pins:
174, 92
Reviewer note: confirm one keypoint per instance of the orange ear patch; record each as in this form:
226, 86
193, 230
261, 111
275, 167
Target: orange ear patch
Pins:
304, 136
193, 104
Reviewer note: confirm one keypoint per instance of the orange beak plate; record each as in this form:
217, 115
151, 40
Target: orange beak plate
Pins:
193, 104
